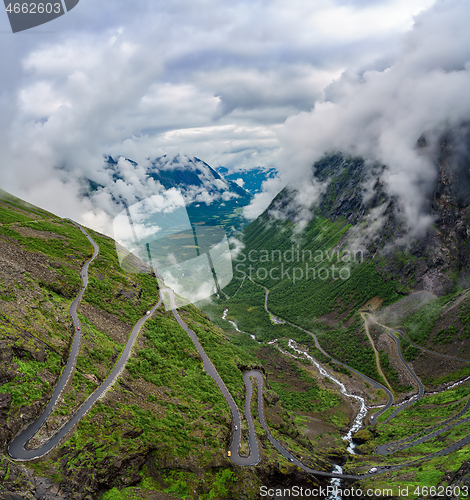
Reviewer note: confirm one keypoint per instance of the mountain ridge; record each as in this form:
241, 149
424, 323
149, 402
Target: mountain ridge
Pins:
209, 198
138, 444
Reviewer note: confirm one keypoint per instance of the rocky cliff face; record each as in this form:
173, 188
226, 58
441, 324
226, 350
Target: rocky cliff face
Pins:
436, 260
458, 481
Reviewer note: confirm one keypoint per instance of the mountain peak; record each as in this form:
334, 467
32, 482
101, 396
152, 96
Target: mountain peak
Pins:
210, 198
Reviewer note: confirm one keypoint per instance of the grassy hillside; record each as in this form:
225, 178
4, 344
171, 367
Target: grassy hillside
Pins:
322, 289
314, 282
163, 428
164, 425
428, 412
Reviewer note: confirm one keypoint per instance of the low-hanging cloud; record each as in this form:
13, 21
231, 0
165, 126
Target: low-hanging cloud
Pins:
381, 113
214, 80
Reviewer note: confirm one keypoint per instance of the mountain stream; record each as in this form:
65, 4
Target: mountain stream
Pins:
357, 424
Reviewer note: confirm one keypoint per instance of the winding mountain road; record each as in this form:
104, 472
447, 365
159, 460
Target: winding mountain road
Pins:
254, 456
372, 382
376, 353
399, 332
18, 450
430, 433
413, 375
394, 334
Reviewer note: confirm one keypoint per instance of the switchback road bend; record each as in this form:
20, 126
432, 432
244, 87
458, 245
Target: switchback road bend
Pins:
18, 451
17, 448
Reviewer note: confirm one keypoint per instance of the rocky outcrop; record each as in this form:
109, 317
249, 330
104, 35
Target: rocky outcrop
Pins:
5, 403
457, 481
354, 193
362, 436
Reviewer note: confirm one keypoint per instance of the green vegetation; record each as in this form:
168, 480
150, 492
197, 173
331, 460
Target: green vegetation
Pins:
409, 351
444, 335
30, 385
391, 373
165, 410
181, 484
350, 346
347, 344
182, 407
336, 278
70, 240
418, 326
110, 288
464, 317
269, 246
311, 399
456, 375
414, 422
171, 360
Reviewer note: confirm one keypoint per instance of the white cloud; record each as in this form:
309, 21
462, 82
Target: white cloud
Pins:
213, 79
261, 201
381, 113
350, 23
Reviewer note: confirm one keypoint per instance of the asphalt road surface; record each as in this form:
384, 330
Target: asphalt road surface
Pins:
413, 375
17, 448
18, 451
384, 449
369, 380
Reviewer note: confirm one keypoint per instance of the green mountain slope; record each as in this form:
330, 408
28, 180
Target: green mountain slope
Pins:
345, 278
163, 426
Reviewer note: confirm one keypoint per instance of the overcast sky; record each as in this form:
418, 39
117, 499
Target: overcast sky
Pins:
236, 83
